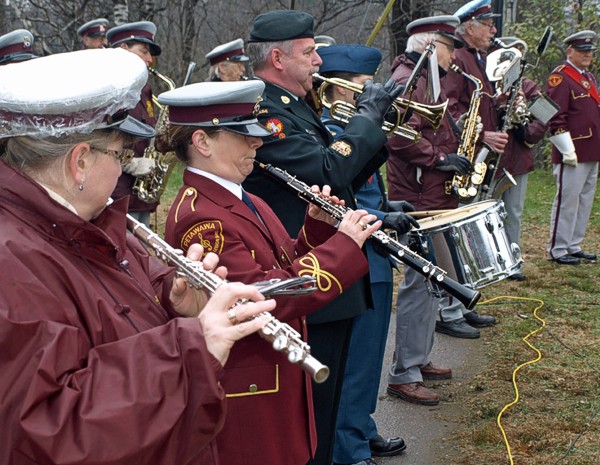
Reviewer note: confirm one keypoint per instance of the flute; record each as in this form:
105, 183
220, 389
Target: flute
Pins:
397, 251
282, 337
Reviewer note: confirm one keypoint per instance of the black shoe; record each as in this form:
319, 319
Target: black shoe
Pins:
518, 276
457, 328
567, 260
587, 256
479, 321
381, 447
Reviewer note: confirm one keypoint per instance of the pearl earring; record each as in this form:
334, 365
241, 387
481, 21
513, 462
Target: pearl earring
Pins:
80, 187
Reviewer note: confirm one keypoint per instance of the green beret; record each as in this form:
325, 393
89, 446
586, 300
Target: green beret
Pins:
279, 25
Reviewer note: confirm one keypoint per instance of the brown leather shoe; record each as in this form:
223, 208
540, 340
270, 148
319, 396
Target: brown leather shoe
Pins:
430, 371
414, 392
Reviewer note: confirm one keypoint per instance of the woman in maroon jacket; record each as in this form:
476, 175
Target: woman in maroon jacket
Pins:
216, 133
97, 366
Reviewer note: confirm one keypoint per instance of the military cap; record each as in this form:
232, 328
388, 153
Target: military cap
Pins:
142, 31
324, 41
227, 105
444, 25
279, 25
355, 59
49, 96
94, 28
231, 51
583, 40
476, 9
16, 46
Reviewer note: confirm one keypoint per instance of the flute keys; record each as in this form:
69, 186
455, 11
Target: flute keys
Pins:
280, 343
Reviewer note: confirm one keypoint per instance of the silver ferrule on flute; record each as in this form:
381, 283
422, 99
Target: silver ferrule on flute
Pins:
396, 250
282, 336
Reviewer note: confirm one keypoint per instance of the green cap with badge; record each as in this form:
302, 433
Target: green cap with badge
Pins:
279, 25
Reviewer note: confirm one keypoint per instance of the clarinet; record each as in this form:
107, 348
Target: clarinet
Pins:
282, 337
395, 249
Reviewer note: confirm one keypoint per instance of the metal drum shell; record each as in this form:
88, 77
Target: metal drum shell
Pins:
470, 243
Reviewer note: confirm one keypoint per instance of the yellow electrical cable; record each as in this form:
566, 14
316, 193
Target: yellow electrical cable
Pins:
514, 375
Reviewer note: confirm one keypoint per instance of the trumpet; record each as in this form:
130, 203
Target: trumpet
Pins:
342, 111
282, 336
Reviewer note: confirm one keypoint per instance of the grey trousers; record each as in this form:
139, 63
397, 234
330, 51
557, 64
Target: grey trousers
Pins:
416, 311
575, 190
514, 201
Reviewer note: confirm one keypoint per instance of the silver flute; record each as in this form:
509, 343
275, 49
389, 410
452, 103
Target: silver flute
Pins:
395, 249
282, 337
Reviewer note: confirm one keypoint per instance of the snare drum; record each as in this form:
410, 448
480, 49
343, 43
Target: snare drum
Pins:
470, 243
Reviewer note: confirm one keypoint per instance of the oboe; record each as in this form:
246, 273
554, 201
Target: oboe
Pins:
282, 337
398, 251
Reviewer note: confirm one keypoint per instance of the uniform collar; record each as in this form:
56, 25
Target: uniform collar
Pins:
232, 187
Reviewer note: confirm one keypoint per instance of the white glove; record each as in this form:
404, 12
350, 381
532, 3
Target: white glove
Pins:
139, 166
569, 158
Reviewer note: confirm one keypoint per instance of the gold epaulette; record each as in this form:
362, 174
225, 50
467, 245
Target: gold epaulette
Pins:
189, 197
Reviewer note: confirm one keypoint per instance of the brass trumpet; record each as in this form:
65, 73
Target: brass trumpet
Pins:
342, 111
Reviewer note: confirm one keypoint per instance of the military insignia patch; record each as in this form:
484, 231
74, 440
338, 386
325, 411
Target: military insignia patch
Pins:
586, 84
262, 111
209, 234
554, 80
341, 147
275, 126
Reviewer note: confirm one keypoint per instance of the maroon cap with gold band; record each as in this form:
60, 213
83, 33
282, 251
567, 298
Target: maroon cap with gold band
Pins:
443, 24
231, 51
583, 40
476, 10
227, 105
142, 31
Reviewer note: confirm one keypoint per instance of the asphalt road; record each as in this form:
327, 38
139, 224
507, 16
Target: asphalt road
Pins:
428, 431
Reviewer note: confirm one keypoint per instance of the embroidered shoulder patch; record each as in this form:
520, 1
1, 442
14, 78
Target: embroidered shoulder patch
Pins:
262, 111
150, 108
209, 234
276, 127
341, 147
554, 80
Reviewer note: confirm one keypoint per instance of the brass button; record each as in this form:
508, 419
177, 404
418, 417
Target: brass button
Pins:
253, 388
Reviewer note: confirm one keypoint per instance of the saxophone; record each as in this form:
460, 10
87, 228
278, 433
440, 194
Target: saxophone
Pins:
282, 336
150, 187
466, 187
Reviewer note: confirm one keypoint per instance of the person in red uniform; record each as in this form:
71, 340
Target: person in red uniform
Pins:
476, 30
98, 363
417, 172
138, 38
575, 133
93, 33
214, 130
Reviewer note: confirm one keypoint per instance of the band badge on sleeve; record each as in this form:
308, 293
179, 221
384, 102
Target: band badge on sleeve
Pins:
554, 80
341, 147
209, 234
276, 127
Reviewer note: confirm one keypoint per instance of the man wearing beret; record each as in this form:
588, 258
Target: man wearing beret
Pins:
476, 30
282, 51
138, 38
16, 46
575, 137
227, 62
356, 436
93, 33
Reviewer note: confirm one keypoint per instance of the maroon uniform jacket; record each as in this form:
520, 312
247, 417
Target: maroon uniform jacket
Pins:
518, 157
144, 112
94, 369
579, 113
410, 168
269, 419
459, 89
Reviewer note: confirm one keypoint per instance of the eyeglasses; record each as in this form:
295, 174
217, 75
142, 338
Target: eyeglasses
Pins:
491, 25
124, 156
451, 47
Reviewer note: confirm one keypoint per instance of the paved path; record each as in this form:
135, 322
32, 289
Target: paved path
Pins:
428, 430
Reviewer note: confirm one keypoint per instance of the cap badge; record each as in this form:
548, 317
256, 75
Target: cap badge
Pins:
256, 110
26, 42
102, 28
285, 99
215, 121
